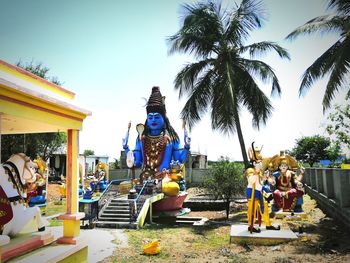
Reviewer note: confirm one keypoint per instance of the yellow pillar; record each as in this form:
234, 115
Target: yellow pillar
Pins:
71, 220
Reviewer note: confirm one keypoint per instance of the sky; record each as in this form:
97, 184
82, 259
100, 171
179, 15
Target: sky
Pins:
111, 54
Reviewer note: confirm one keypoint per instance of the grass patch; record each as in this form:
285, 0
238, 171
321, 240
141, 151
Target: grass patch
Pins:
55, 207
178, 244
56, 222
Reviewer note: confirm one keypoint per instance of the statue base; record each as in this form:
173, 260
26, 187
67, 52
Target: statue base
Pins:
241, 235
170, 203
25, 243
291, 216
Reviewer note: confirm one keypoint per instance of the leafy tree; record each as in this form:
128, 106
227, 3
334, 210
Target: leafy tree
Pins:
333, 152
88, 152
114, 165
335, 60
339, 125
222, 80
38, 69
226, 181
33, 145
311, 149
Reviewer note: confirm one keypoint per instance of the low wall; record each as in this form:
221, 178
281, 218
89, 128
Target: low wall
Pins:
331, 189
193, 176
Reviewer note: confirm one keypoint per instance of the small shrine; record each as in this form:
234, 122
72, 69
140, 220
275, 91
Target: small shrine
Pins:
30, 104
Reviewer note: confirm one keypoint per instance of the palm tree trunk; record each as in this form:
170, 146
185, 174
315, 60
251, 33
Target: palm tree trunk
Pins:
241, 140
236, 116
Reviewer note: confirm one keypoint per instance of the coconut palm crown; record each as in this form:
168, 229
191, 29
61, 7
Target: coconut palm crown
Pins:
222, 79
335, 61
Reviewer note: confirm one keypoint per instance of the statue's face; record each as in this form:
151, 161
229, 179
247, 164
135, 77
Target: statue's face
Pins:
155, 121
258, 165
283, 167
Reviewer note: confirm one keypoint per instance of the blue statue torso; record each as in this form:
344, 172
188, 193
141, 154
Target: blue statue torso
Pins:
171, 150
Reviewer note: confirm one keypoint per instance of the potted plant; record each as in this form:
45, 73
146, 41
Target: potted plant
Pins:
346, 163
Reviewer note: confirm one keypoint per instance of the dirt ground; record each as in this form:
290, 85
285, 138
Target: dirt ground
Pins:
322, 240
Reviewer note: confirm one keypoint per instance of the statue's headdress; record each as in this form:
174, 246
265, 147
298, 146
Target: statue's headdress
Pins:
254, 153
283, 158
156, 102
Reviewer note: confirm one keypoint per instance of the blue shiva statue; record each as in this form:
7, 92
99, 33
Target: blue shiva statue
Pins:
157, 143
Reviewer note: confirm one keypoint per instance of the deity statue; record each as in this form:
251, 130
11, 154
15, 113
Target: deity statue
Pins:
158, 150
258, 193
288, 185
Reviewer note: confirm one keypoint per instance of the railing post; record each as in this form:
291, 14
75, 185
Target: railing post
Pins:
341, 185
312, 178
306, 177
328, 182
319, 180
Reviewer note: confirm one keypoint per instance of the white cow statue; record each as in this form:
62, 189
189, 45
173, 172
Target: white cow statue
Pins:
14, 213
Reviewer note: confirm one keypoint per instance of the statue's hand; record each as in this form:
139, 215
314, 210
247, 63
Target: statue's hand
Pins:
125, 143
187, 141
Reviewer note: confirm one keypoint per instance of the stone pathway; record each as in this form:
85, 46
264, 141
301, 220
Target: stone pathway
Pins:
100, 241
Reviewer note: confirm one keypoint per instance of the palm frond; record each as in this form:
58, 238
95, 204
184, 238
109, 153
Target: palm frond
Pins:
319, 68
186, 78
249, 16
264, 72
260, 48
223, 109
338, 77
257, 103
321, 24
342, 6
199, 100
199, 33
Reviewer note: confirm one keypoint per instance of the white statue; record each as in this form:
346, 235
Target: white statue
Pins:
14, 213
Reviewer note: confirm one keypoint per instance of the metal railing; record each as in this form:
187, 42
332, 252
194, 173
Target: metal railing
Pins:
110, 192
137, 204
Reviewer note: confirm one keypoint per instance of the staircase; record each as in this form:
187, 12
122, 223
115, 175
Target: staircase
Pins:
117, 214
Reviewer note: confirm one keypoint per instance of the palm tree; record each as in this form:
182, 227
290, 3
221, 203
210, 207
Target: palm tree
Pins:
335, 61
221, 81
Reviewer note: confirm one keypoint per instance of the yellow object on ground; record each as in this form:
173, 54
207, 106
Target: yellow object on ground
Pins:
171, 188
151, 248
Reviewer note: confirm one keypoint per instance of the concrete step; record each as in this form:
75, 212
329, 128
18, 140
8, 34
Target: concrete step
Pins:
115, 215
114, 219
115, 224
118, 207
116, 211
121, 201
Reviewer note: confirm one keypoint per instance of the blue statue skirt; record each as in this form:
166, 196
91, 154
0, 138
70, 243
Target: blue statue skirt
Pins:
257, 196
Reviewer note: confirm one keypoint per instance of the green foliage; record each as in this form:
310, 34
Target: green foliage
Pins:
33, 145
339, 125
88, 152
226, 181
346, 160
40, 70
311, 149
223, 78
334, 62
114, 165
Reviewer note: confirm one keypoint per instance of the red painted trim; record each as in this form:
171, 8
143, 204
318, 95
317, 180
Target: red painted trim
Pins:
69, 170
21, 249
39, 108
31, 75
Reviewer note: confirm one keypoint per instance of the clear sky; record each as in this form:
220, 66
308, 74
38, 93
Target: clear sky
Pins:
111, 53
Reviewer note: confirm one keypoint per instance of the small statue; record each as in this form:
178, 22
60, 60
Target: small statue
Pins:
257, 193
289, 188
157, 143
